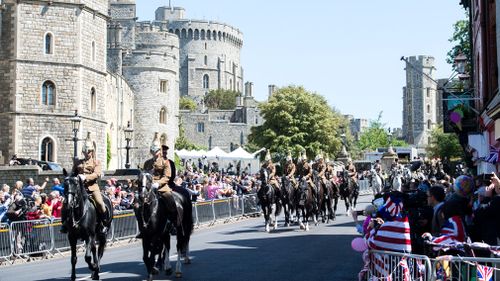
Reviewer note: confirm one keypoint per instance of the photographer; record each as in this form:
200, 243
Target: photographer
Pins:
487, 213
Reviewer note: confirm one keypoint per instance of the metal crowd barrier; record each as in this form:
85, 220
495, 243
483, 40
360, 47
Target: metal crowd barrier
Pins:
386, 265
463, 268
24, 239
364, 187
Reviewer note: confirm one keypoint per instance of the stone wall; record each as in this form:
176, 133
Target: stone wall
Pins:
10, 174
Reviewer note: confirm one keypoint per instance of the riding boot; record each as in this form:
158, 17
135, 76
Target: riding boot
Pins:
172, 216
103, 217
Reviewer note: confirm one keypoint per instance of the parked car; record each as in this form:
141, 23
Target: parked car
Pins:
46, 166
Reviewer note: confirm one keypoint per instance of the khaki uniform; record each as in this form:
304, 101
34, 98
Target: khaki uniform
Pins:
321, 168
91, 169
161, 172
352, 172
290, 173
271, 169
305, 171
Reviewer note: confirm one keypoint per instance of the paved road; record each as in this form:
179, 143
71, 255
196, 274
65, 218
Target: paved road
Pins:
236, 251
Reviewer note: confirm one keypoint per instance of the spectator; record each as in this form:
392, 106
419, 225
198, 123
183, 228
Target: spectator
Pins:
30, 187
17, 210
435, 199
55, 201
35, 212
45, 206
57, 186
212, 190
4, 206
125, 202
6, 195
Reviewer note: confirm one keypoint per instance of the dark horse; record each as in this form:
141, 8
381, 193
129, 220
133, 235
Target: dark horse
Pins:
82, 223
268, 198
304, 203
287, 199
325, 196
153, 210
349, 191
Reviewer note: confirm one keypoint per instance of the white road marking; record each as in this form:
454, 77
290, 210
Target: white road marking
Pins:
90, 276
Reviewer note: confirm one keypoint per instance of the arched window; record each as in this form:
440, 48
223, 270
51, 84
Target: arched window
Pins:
178, 33
49, 44
47, 150
163, 115
428, 108
230, 84
48, 93
93, 50
93, 100
429, 124
183, 34
214, 35
205, 60
196, 34
206, 82
163, 139
190, 33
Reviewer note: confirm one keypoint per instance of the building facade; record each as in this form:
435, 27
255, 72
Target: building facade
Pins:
357, 126
419, 101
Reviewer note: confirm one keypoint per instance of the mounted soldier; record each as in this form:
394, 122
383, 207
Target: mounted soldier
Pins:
89, 171
290, 170
161, 170
320, 167
353, 174
271, 172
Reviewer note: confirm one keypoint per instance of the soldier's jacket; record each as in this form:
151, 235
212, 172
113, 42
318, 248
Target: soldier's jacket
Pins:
320, 167
160, 170
91, 169
290, 169
305, 169
329, 172
271, 170
352, 171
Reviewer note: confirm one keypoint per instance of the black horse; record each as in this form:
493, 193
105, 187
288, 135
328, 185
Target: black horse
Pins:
82, 223
268, 198
349, 191
288, 199
153, 210
304, 203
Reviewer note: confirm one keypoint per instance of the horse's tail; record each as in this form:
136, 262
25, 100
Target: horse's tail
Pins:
187, 218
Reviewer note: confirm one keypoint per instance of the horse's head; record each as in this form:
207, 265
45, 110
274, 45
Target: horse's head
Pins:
144, 184
73, 189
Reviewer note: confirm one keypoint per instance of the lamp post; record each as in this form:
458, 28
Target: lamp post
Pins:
75, 121
390, 149
128, 137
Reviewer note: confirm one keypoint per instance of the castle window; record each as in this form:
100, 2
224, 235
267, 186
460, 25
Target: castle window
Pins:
205, 60
214, 35
428, 108
429, 124
93, 50
196, 34
47, 150
49, 44
206, 83
48, 93
163, 116
202, 34
206, 45
230, 84
178, 33
428, 92
201, 127
163, 86
93, 100
190, 33
183, 34
209, 35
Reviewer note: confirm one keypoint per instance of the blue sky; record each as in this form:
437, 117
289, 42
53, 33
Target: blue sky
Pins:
347, 51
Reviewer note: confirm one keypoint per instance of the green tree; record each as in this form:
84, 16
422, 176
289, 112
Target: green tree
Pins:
221, 99
297, 119
461, 41
444, 145
183, 143
187, 103
376, 136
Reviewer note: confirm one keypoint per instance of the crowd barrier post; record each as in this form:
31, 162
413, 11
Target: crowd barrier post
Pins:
31, 238
124, 225
221, 209
195, 213
387, 265
205, 212
5, 245
462, 268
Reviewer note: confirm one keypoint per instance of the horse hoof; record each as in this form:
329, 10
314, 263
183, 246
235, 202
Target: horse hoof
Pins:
187, 261
169, 272
155, 271
95, 276
150, 277
178, 275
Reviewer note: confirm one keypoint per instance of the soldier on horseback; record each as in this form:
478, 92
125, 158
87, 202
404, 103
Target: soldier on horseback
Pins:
160, 169
320, 167
271, 172
290, 171
353, 174
89, 172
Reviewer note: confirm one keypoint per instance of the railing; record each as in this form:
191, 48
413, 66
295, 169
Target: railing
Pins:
384, 265
26, 239
364, 187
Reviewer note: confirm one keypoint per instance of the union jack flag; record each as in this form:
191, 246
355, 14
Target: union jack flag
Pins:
484, 273
406, 271
394, 206
493, 156
421, 269
453, 232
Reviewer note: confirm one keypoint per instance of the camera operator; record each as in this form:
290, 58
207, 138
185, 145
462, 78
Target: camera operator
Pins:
419, 216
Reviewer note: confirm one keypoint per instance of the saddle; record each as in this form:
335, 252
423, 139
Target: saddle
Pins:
105, 218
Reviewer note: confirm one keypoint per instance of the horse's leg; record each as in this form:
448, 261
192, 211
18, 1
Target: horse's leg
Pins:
146, 257
95, 258
88, 252
178, 266
275, 212
74, 258
267, 214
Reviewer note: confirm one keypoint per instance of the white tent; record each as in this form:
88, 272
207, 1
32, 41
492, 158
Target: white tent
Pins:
239, 153
216, 152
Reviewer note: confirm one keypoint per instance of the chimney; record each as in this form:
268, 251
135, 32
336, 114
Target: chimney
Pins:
248, 89
272, 89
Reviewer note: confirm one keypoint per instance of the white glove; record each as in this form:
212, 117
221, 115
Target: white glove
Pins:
82, 177
155, 185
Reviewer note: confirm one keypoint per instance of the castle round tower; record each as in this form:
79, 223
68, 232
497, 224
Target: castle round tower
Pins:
152, 71
54, 62
209, 53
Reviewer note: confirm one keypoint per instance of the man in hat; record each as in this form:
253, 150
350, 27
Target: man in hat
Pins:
89, 171
290, 170
271, 172
305, 172
320, 167
161, 171
353, 174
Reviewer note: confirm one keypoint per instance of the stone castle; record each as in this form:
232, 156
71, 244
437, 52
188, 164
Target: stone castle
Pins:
96, 57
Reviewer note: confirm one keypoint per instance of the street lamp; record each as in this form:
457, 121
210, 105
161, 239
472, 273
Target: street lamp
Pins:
460, 62
75, 121
128, 137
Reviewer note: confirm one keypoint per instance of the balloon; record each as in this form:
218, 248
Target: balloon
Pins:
358, 244
455, 117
